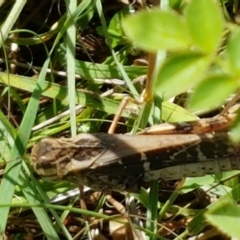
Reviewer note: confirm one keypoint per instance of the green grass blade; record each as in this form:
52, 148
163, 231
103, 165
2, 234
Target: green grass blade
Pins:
70, 51
119, 65
152, 216
10, 177
30, 193
56, 91
11, 19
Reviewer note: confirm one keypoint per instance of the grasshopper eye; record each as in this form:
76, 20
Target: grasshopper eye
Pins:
43, 162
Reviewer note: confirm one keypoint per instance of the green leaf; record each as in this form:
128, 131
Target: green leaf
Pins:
205, 23
198, 222
212, 92
192, 183
233, 51
211, 183
154, 30
225, 215
179, 74
115, 29
235, 129
172, 112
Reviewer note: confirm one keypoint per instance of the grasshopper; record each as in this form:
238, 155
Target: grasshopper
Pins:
125, 162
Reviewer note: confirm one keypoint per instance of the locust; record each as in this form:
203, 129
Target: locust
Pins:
126, 162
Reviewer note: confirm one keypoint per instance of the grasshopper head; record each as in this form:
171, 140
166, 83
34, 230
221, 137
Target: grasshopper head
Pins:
50, 158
